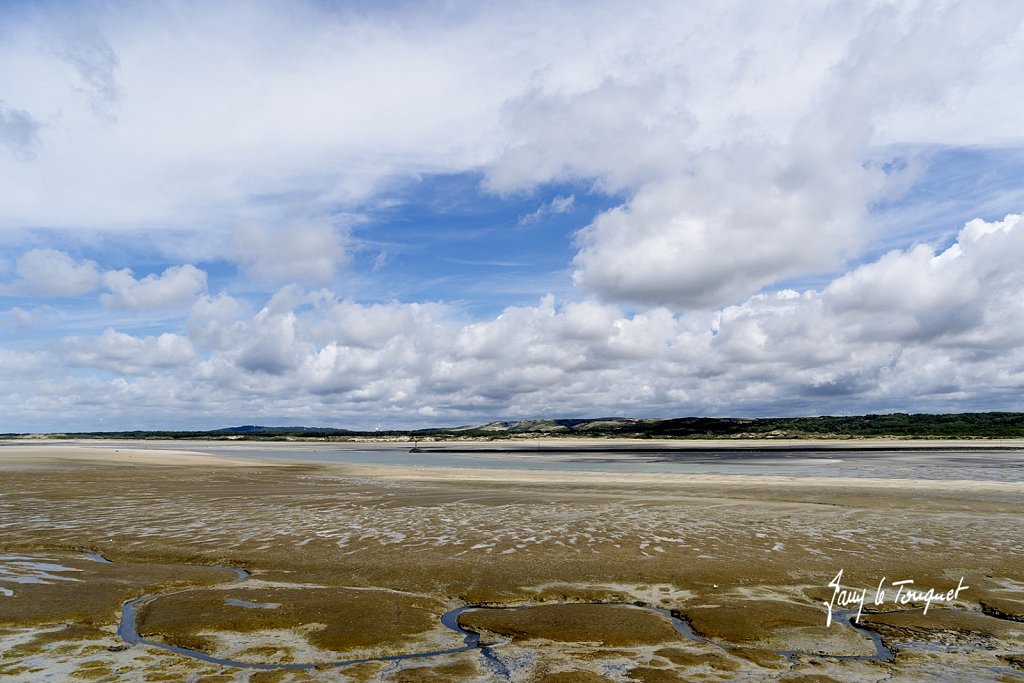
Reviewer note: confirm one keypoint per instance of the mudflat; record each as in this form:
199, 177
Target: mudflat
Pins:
351, 562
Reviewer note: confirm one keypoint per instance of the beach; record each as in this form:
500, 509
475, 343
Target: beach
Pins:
635, 566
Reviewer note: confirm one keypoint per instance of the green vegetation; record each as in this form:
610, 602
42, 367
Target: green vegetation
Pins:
897, 425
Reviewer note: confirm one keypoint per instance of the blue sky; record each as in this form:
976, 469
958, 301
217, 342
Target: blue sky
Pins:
343, 215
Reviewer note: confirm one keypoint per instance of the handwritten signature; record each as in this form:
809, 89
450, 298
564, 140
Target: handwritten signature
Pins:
844, 597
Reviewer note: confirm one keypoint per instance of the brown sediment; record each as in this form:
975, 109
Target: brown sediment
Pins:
442, 673
688, 658
92, 592
62, 633
607, 625
270, 676
366, 671
915, 624
774, 625
333, 619
762, 658
1003, 607
1015, 660
646, 674
572, 677
748, 621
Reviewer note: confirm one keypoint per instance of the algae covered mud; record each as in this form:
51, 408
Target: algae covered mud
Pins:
495, 566
588, 617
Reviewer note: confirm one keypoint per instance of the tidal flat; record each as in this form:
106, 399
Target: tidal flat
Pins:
305, 562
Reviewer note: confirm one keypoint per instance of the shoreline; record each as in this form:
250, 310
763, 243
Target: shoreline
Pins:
42, 457
723, 445
471, 475
569, 443
19, 456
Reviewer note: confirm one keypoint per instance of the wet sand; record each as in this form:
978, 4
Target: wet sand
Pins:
364, 560
14, 455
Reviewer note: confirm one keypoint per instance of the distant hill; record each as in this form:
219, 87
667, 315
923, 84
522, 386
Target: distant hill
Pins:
897, 425
955, 425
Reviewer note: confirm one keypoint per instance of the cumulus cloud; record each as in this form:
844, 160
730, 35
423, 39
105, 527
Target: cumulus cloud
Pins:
217, 322
53, 273
125, 354
725, 221
918, 294
918, 329
309, 253
176, 286
272, 346
49, 272
15, 364
745, 217
784, 351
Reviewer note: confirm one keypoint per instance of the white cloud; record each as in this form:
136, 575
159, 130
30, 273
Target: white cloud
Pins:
15, 364
743, 219
233, 114
309, 253
125, 354
22, 320
621, 133
271, 345
916, 329
48, 272
918, 294
558, 205
176, 286
238, 112
96, 64
19, 133
765, 204
52, 273
216, 322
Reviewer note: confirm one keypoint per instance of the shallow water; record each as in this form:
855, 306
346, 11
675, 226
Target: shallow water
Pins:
988, 465
24, 569
235, 602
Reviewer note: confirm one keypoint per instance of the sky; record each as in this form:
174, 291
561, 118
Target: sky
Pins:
376, 215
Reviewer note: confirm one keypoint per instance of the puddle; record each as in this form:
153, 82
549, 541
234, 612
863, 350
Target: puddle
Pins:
251, 605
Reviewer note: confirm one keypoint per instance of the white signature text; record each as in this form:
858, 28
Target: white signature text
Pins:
904, 594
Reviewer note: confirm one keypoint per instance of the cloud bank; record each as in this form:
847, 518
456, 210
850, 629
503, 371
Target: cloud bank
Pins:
935, 327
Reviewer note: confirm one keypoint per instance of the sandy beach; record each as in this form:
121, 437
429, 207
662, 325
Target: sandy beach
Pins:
14, 455
563, 572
